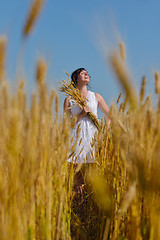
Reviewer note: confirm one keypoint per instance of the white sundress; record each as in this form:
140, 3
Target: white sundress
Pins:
87, 130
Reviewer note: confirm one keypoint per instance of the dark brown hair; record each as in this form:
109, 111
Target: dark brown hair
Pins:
75, 74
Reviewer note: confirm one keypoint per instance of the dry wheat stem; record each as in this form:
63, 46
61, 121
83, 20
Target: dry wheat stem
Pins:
124, 78
41, 71
122, 51
142, 92
157, 84
119, 98
33, 15
3, 42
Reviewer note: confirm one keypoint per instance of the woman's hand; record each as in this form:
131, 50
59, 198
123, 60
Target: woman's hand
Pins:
84, 112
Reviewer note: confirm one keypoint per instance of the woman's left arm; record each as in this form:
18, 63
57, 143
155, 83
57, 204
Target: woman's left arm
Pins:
102, 105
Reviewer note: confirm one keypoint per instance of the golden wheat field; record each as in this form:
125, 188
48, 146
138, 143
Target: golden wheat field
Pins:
37, 198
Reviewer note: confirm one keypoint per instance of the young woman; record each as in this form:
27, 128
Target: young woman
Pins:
80, 79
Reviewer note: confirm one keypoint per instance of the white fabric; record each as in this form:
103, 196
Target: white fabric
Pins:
87, 130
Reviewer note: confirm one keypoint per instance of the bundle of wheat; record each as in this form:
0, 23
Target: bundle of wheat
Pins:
69, 89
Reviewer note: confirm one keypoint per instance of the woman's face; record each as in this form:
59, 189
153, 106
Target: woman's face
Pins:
83, 78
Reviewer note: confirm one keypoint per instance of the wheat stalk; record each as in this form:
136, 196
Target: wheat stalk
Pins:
157, 88
3, 41
32, 16
122, 51
41, 71
124, 78
142, 92
119, 98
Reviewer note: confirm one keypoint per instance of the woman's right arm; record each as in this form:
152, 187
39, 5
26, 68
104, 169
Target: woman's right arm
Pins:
66, 107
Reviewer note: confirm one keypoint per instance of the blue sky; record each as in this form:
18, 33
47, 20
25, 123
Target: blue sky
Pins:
72, 34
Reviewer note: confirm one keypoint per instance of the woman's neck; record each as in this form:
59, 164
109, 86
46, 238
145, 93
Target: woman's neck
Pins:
83, 90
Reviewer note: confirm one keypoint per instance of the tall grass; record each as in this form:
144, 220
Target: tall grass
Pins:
35, 193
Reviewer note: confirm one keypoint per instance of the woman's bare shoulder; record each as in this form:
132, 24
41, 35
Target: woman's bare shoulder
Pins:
98, 96
66, 102
66, 99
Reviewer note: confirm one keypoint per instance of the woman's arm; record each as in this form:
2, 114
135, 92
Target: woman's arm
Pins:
66, 106
68, 111
84, 112
103, 106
